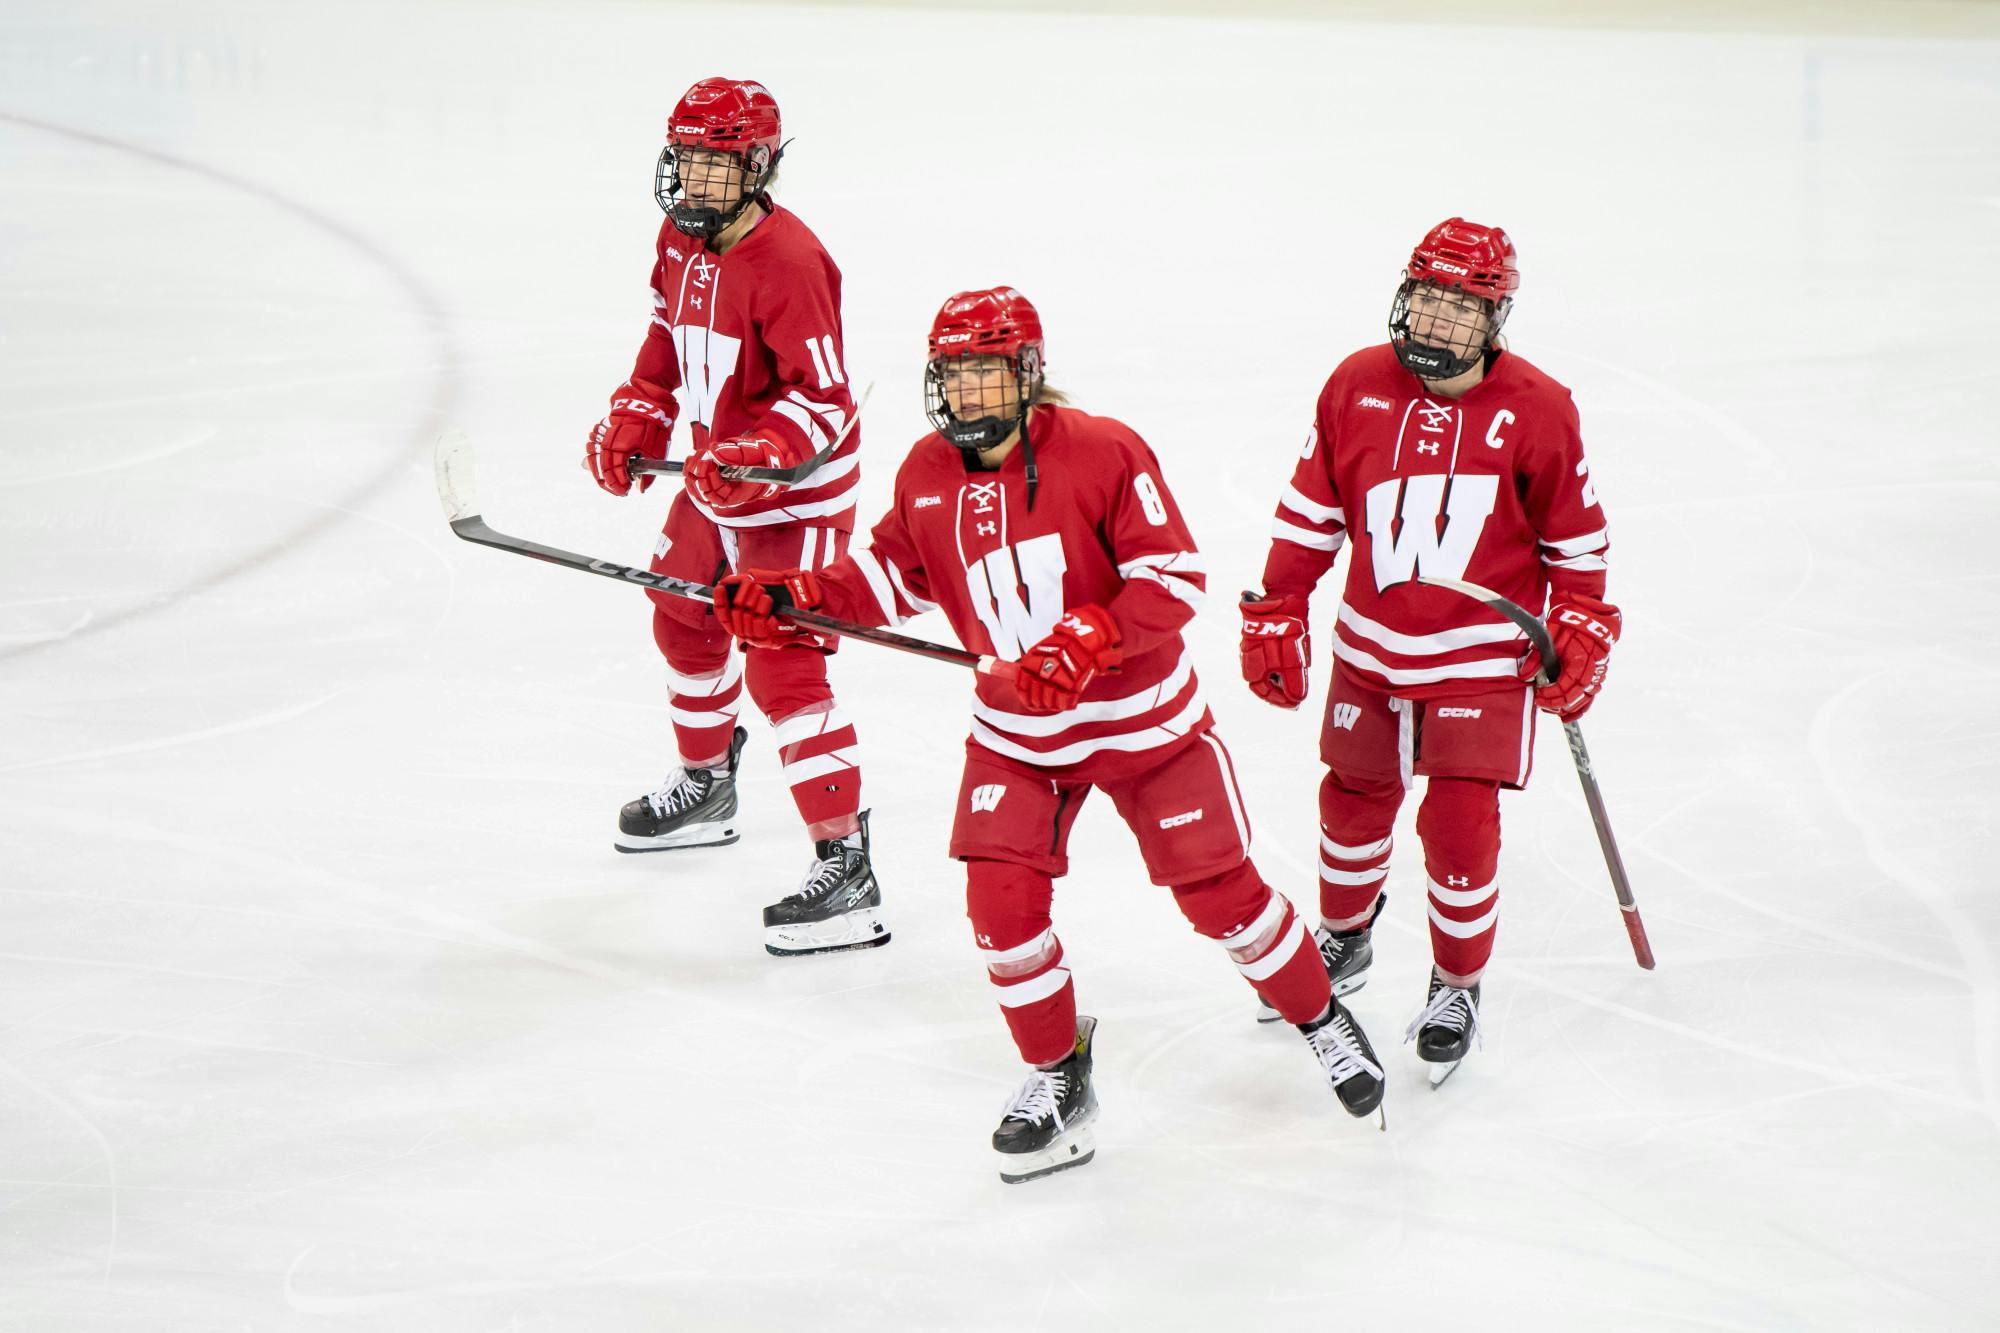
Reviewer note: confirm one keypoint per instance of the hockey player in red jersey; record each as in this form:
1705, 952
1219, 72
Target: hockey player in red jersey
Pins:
1439, 453
1049, 539
746, 329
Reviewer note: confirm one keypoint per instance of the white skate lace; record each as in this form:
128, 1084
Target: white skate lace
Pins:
1450, 1008
1339, 1050
1038, 1099
825, 876
679, 792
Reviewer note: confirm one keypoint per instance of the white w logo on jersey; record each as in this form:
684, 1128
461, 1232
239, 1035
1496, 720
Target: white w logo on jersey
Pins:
987, 797
708, 359
1346, 715
1418, 547
996, 590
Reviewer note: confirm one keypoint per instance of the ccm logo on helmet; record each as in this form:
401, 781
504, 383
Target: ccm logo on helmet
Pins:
954, 338
1458, 712
1443, 267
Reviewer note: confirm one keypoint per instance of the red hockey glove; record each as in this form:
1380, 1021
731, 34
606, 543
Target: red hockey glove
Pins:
748, 604
1276, 647
638, 423
704, 471
1583, 629
1055, 672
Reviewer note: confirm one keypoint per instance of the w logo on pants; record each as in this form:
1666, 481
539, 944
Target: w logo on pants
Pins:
987, 797
1346, 715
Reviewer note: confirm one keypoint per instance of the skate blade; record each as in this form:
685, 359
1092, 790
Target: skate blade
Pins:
852, 930
701, 835
1070, 1150
1266, 1014
1440, 1072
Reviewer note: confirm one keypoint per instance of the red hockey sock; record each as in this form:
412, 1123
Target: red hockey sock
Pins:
1355, 820
1264, 936
816, 742
1009, 909
1459, 823
705, 688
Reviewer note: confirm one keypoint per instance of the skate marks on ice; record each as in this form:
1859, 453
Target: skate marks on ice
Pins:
1516, 970
1865, 815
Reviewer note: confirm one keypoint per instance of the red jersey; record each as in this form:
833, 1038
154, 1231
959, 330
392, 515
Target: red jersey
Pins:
1491, 487
1102, 529
752, 340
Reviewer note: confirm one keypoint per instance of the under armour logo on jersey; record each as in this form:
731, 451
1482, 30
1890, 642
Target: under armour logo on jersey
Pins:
1346, 715
985, 941
988, 529
1457, 881
986, 798
1429, 448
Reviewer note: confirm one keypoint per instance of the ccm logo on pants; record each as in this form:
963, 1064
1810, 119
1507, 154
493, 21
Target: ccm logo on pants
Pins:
1457, 712
1175, 821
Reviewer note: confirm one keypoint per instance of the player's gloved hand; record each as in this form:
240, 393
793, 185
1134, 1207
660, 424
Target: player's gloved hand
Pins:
748, 604
706, 483
1276, 647
1584, 628
639, 422
1054, 673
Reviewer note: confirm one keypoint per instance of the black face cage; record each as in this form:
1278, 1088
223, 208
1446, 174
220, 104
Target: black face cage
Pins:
1464, 343
670, 191
984, 432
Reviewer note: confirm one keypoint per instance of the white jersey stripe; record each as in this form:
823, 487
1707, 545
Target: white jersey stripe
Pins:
1146, 739
1484, 669
1097, 710
1419, 645
1318, 541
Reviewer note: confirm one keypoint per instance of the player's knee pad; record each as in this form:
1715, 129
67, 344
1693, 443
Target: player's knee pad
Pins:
697, 647
1007, 904
1355, 810
787, 680
1459, 823
1224, 904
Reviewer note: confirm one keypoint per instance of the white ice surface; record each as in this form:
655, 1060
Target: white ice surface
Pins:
324, 1002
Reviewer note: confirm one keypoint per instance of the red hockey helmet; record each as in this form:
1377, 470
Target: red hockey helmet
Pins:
1457, 256
731, 116
998, 321
1469, 256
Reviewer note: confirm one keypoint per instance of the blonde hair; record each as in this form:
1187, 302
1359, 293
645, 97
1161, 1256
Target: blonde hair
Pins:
1047, 394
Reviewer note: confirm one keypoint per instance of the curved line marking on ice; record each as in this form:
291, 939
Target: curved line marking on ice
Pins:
431, 422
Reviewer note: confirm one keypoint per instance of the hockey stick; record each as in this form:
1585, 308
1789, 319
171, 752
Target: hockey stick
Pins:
784, 476
459, 495
1545, 648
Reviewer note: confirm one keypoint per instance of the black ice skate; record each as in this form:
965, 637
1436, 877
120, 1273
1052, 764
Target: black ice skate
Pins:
1347, 954
839, 906
692, 808
1352, 1070
1445, 1030
1046, 1128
